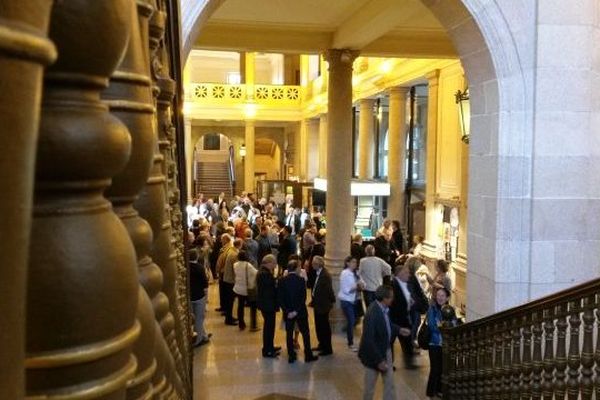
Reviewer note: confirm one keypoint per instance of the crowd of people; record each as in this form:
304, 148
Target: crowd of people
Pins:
270, 258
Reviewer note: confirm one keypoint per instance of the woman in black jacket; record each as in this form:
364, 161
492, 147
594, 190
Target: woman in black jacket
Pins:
266, 302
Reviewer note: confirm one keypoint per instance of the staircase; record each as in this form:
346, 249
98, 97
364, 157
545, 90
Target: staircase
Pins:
212, 178
547, 349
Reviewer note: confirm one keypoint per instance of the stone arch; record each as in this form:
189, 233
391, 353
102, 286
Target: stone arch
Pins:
491, 46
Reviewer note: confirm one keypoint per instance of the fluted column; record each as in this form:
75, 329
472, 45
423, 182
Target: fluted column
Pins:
83, 286
323, 145
432, 113
397, 153
249, 160
366, 139
339, 158
189, 158
24, 51
303, 150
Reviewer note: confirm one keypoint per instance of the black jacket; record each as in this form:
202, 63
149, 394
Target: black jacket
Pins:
287, 247
323, 297
198, 281
266, 287
399, 308
375, 340
264, 247
383, 249
292, 294
357, 251
421, 301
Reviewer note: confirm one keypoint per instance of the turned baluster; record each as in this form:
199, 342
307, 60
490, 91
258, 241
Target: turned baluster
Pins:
548, 363
447, 367
489, 364
574, 360
498, 367
561, 352
536, 386
481, 363
597, 353
24, 51
459, 346
587, 353
527, 363
83, 285
507, 360
472, 393
515, 389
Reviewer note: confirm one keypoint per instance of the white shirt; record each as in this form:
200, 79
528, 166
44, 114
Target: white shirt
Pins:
243, 282
348, 285
405, 291
316, 280
372, 270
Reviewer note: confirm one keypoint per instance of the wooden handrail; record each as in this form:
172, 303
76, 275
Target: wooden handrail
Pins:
580, 290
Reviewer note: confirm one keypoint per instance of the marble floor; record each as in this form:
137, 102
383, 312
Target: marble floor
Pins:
231, 367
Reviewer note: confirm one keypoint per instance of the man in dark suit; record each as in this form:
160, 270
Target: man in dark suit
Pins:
292, 299
400, 312
287, 247
375, 345
266, 302
323, 300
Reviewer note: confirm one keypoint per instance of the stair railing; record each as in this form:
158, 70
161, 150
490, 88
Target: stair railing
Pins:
546, 349
231, 169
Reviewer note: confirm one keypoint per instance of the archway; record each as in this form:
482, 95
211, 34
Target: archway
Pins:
500, 150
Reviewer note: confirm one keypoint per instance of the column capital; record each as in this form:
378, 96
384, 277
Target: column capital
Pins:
366, 102
340, 57
398, 91
433, 77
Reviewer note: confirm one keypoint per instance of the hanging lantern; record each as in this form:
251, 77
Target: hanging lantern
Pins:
464, 113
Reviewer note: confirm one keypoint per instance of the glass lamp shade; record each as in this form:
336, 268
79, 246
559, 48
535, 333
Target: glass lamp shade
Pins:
243, 151
464, 113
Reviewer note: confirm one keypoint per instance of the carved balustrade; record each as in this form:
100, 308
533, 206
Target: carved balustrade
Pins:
547, 349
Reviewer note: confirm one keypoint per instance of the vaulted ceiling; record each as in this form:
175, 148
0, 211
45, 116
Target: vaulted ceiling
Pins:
392, 28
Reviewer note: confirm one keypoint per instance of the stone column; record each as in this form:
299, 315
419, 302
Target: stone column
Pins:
312, 149
397, 153
432, 112
249, 160
303, 150
339, 158
323, 145
366, 139
189, 158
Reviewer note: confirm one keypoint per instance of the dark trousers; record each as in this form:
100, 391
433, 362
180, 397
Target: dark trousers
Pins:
222, 300
323, 330
415, 320
350, 314
242, 302
408, 351
268, 332
369, 297
302, 322
434, 383
229, 298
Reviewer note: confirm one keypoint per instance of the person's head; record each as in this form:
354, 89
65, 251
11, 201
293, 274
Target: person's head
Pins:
294, 257
264, 230
413, 264
357, 238
269, 262
287, 230
319, 238
370, 250
195, 223
258, 220
385, 295
318, 262
442, 266
237, 243
243, 256
209, 203
293, 266
396, 225
442, 295
230, 230
418, 239
387, 224
248, 234
350, 263
402, 272
225, 239
193, 255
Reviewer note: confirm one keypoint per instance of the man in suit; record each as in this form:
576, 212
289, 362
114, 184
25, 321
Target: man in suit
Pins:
323, 300
292, 299
266, 302
400, 312
287, 247
375, 345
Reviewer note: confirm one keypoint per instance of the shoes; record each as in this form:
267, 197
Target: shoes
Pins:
270, 355
277, 348
242, 327
311, 358
219, 309
353, 348
202, 342
318, 348
291, 360
231, 323
326, 353
255, 329
209, 335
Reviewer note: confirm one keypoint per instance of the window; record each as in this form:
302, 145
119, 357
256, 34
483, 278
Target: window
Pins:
234, 78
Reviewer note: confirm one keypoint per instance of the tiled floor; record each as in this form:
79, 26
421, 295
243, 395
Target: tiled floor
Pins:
231, 367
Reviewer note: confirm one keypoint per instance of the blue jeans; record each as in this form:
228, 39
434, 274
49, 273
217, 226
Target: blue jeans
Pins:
348, 309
